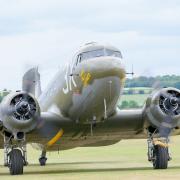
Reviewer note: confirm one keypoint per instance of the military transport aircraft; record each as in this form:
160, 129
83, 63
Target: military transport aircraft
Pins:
79, 109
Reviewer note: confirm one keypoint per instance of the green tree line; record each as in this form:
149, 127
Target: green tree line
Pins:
160, 81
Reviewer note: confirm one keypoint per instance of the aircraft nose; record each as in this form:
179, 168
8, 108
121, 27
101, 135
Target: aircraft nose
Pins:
101, 67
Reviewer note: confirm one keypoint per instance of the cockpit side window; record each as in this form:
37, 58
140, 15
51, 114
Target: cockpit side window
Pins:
110, 52
78, 59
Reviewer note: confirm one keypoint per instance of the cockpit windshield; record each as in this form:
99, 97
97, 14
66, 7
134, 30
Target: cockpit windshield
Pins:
98, 53
92, 54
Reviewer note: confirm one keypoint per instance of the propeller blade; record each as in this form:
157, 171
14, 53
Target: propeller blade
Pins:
166, 127
8, 110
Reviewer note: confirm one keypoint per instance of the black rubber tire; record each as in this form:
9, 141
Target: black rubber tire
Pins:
16, 162
42, 161
160, 157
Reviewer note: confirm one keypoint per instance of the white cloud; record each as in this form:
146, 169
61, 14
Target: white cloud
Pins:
48, 32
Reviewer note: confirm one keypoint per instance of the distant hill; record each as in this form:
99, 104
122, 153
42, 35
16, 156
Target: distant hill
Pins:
160, 81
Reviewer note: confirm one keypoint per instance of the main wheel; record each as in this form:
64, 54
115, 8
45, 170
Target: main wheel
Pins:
16, 162
160, 157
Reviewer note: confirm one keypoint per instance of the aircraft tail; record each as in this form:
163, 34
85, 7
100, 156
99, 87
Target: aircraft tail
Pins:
31, 82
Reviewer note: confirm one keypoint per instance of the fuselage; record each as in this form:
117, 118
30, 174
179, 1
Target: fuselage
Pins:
89, 87
86, 92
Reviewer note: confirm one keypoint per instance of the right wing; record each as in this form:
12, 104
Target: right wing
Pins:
127, 119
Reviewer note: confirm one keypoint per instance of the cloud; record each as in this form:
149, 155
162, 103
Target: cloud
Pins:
48, 33
104, 15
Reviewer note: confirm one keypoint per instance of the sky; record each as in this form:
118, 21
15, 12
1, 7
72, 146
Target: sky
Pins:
47, 33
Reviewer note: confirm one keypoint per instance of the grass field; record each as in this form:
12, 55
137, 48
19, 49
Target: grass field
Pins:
125, 160
139, 98
145, 89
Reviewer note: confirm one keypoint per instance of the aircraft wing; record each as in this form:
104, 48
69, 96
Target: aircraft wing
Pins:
128, 119
160, 113
51, 122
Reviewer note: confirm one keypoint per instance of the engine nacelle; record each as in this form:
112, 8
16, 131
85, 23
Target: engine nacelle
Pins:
19, 112
161, 104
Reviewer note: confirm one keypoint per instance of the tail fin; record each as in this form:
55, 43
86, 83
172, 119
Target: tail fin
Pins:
31, 82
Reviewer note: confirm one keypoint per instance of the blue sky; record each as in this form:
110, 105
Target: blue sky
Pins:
48, 32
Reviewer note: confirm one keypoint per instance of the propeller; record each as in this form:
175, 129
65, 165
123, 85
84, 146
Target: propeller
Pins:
166, 127
22, 105
20, 111
169, 102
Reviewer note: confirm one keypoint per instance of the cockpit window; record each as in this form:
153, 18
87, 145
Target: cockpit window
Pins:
98, 53
110, 52
92, 54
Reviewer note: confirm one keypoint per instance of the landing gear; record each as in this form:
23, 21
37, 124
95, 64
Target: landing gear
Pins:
16, 162
15, 155
158, 152
43, 159
160, 159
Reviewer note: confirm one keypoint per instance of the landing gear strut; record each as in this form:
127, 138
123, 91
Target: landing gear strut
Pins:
15, 155
43, 158
158, 152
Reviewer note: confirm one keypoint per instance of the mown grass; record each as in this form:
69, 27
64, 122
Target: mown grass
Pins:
139, 98
125, 160
146, 89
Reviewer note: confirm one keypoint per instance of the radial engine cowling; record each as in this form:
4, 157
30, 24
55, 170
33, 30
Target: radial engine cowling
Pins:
161, 104
19, 112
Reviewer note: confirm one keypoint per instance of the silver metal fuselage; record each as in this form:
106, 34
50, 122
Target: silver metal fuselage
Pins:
86, 103
69, 95
85, 95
